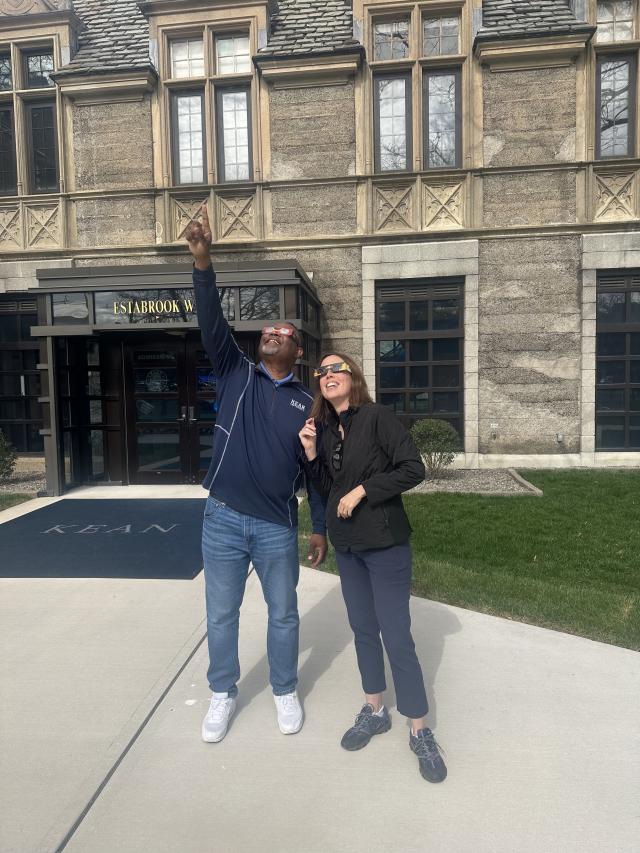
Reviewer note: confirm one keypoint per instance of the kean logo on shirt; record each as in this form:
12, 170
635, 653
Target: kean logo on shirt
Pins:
298, 405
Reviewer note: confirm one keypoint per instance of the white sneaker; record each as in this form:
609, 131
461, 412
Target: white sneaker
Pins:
215, 724
290, 715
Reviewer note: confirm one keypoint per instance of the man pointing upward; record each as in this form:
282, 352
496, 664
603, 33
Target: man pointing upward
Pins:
251, 513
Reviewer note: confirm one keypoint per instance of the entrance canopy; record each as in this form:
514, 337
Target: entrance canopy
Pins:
101, 328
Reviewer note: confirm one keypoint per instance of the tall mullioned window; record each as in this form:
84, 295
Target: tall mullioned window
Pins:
417, 69
210, 80
28, 122
616, 101
419, 350
20, 411
618, 362
616, 78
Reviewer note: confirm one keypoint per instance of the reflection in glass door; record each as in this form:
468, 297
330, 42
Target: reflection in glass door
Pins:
202, 409
157, 413
171, 405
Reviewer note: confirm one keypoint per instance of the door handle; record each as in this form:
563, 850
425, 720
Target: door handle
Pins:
192, 418
183, 414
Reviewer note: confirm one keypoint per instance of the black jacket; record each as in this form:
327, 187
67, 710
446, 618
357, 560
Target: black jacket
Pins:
379, 454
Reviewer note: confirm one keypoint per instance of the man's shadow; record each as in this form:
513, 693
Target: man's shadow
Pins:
325, 632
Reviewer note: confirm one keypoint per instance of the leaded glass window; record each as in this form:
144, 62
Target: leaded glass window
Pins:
233, 55
393, 122
233, 115
615, 20
616, 114
43, 147
187, 58
391, 40
8, 180
38, 68
189, 138
441, 119
6, 77
440, 36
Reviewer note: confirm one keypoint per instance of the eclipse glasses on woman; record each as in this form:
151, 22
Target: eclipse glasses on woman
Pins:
338, 367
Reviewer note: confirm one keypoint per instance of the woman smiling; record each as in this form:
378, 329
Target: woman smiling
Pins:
361, 459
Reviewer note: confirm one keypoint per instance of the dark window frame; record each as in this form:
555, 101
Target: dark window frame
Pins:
7, 55
25, 55
13, 168
29, 107
220, 90
440, 71
175, 148
408, 119
22, 343
414, 291
627, 282
631, 105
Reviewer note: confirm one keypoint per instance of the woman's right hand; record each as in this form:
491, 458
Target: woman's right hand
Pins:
308, 439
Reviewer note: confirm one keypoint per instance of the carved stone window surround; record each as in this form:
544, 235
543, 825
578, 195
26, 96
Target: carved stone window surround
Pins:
18, 43
365, 15
169, 25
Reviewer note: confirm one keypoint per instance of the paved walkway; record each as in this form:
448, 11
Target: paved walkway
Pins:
103, 692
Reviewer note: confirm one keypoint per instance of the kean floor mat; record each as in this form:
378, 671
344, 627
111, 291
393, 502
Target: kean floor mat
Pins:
105, 539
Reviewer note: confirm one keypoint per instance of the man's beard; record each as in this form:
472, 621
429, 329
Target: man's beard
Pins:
270, 348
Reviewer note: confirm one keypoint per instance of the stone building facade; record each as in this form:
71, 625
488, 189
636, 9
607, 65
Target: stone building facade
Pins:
456, 183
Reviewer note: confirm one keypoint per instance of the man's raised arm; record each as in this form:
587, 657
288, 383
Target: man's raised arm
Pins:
226, 356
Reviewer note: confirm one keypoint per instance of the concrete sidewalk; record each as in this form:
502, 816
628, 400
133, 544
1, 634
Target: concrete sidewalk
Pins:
540, 731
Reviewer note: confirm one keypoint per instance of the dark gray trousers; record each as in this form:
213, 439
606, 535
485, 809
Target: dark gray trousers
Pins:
376, 586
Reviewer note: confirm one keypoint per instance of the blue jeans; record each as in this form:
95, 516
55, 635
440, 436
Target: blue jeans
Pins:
230, 540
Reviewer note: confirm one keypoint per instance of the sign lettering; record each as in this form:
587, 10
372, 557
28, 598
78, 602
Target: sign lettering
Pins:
153, 306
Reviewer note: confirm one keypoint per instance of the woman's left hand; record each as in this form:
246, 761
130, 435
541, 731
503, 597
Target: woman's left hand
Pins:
350, 501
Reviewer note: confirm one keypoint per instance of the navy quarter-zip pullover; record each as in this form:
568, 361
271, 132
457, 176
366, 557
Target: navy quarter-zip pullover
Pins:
256, 466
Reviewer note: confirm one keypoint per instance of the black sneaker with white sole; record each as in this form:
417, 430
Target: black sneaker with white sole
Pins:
367, 725
432, 767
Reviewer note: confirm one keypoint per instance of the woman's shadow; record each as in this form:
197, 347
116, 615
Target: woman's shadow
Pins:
325, 633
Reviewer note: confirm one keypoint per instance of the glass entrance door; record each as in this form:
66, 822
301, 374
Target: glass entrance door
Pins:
157, 412
171, 409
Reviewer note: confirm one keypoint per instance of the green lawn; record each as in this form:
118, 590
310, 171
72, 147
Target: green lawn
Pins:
569, 560
12, 499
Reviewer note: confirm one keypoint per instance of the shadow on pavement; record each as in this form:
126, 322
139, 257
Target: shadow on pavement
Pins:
325, 631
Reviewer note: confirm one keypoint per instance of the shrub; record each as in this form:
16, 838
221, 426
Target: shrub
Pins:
438, 443
7, 458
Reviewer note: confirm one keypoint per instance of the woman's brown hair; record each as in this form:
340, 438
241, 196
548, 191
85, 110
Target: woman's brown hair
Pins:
321, 410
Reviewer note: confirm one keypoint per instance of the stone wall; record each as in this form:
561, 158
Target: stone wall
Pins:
112, 145
126, 221
529, 345
313, 132
529, 116
313, 210
529, 198
16, 276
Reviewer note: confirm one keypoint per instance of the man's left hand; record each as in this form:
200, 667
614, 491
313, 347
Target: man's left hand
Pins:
317, 549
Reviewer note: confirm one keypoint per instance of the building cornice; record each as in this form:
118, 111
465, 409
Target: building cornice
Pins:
527, 52
95, 88
151, 8
40, 20
312, 68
